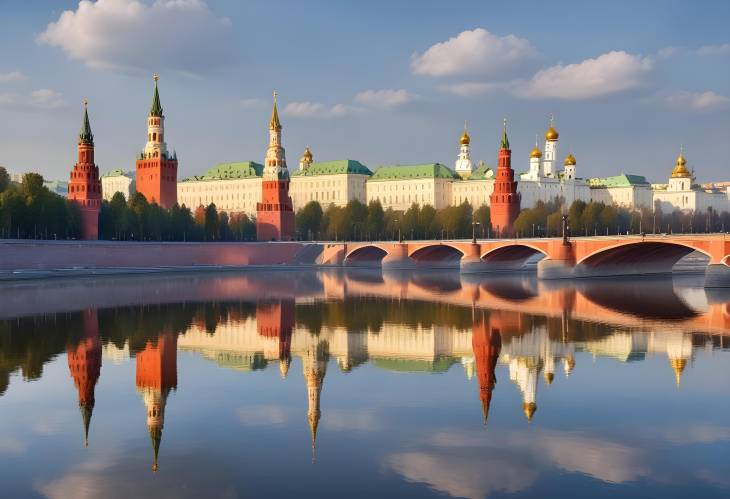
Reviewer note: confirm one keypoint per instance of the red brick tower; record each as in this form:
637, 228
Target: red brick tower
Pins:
84, 363
276, 320
274, 214
486, 342
504, 200
156, 167
156, 376
84, 188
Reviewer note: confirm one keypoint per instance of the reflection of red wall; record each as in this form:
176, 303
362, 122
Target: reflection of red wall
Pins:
84, 361
157, 363
486, 343
276, 320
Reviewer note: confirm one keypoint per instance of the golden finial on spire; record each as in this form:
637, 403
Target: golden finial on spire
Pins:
275, 124
551, 133
155, 77
86, 102
465, 139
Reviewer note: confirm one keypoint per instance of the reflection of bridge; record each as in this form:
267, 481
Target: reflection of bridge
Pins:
579, 257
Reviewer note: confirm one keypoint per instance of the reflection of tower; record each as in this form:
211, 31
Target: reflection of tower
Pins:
156, 375
276, 320
315, 367
679, 351
486, 342
84, 363
524, 371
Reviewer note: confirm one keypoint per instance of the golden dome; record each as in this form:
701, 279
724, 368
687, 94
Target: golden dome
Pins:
549, 377
678, 365
551, 134
307, 154
465, 139
680, 169
569, 160
536, 153
529, 410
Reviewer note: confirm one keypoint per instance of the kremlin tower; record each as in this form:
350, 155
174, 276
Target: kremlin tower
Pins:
84, 363
486, 342
156, 376
84, 188
504, 200
464, 166
274, 214
156, 167
276, 320
314, 365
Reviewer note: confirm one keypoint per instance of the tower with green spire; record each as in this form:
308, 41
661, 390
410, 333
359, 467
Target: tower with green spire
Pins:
84, 187
156, 167
504, 200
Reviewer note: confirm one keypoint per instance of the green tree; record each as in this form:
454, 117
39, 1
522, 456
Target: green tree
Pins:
309, 220
376, 220
211, 223
4, 179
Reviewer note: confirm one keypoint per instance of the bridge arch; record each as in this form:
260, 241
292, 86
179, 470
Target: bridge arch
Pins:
437, 255
368, 255
512, 256
636, 257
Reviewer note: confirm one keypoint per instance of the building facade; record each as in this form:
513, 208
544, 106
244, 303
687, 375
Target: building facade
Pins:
156, 168
632, 192
84, 187
232, 187
398, 186
329, 182
118, 181
274, 214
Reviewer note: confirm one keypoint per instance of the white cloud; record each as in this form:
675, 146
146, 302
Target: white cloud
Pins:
607, 74
471, 89
251, 103
181, 35
307, 109
46, 99
385, 99
698, 101
709, 50
12, 76
43, 99
476, 51
262, 415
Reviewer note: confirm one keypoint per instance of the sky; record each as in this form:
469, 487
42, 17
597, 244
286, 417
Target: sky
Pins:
383, 82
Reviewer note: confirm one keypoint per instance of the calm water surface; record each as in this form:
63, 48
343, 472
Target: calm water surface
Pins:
363, 384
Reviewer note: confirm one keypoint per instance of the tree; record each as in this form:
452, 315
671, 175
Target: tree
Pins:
376, 220
427, 221
356, 217
410, 224
483, 216
4, 179
211, 223
309, 220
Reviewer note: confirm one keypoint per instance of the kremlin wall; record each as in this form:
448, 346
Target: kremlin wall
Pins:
272, 195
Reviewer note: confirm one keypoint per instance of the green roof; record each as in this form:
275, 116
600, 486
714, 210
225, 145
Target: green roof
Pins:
623, 180
156, 107
412, 172
230, 171
85, 135
481, 173
334, 168
118, 172
58, 186
438, 365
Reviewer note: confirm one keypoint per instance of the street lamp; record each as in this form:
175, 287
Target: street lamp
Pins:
474, 231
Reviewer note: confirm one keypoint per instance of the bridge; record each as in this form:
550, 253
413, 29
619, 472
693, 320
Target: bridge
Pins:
603, 256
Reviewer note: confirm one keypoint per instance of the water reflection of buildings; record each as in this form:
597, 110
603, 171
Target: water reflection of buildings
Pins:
84, 363
156, 376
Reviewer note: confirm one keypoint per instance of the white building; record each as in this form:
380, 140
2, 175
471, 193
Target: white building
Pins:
399, 186
118, 181
625, 191
232, 187
463, 166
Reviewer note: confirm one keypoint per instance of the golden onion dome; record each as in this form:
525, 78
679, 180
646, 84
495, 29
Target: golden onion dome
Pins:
549, 377
536, 153
569, 160
678, 365
465, 139
551, 134
680, 169
307, 156
529, 410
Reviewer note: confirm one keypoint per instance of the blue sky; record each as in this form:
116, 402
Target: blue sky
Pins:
382, 81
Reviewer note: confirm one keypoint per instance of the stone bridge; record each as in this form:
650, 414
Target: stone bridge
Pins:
578, 257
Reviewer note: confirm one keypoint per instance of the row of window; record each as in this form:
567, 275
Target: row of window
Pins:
82, 188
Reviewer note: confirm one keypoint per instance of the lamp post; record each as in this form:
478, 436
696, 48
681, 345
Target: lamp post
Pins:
474, 231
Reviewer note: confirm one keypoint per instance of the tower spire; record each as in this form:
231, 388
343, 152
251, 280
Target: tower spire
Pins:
86, 411
156, 108
504, 144
275, 124
85, 135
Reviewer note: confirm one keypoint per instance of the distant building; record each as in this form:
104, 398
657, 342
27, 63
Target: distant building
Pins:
398, 186
232, 187
156, 168
625, 191
59, 187
329, 182
118, 181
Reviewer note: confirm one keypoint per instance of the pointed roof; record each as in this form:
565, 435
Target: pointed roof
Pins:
85, 135
504, 143
156, 108
86, 411
313, 425
275, 124
156, 438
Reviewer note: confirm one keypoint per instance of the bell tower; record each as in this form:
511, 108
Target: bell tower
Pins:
156, 167
84, 187
274, 214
